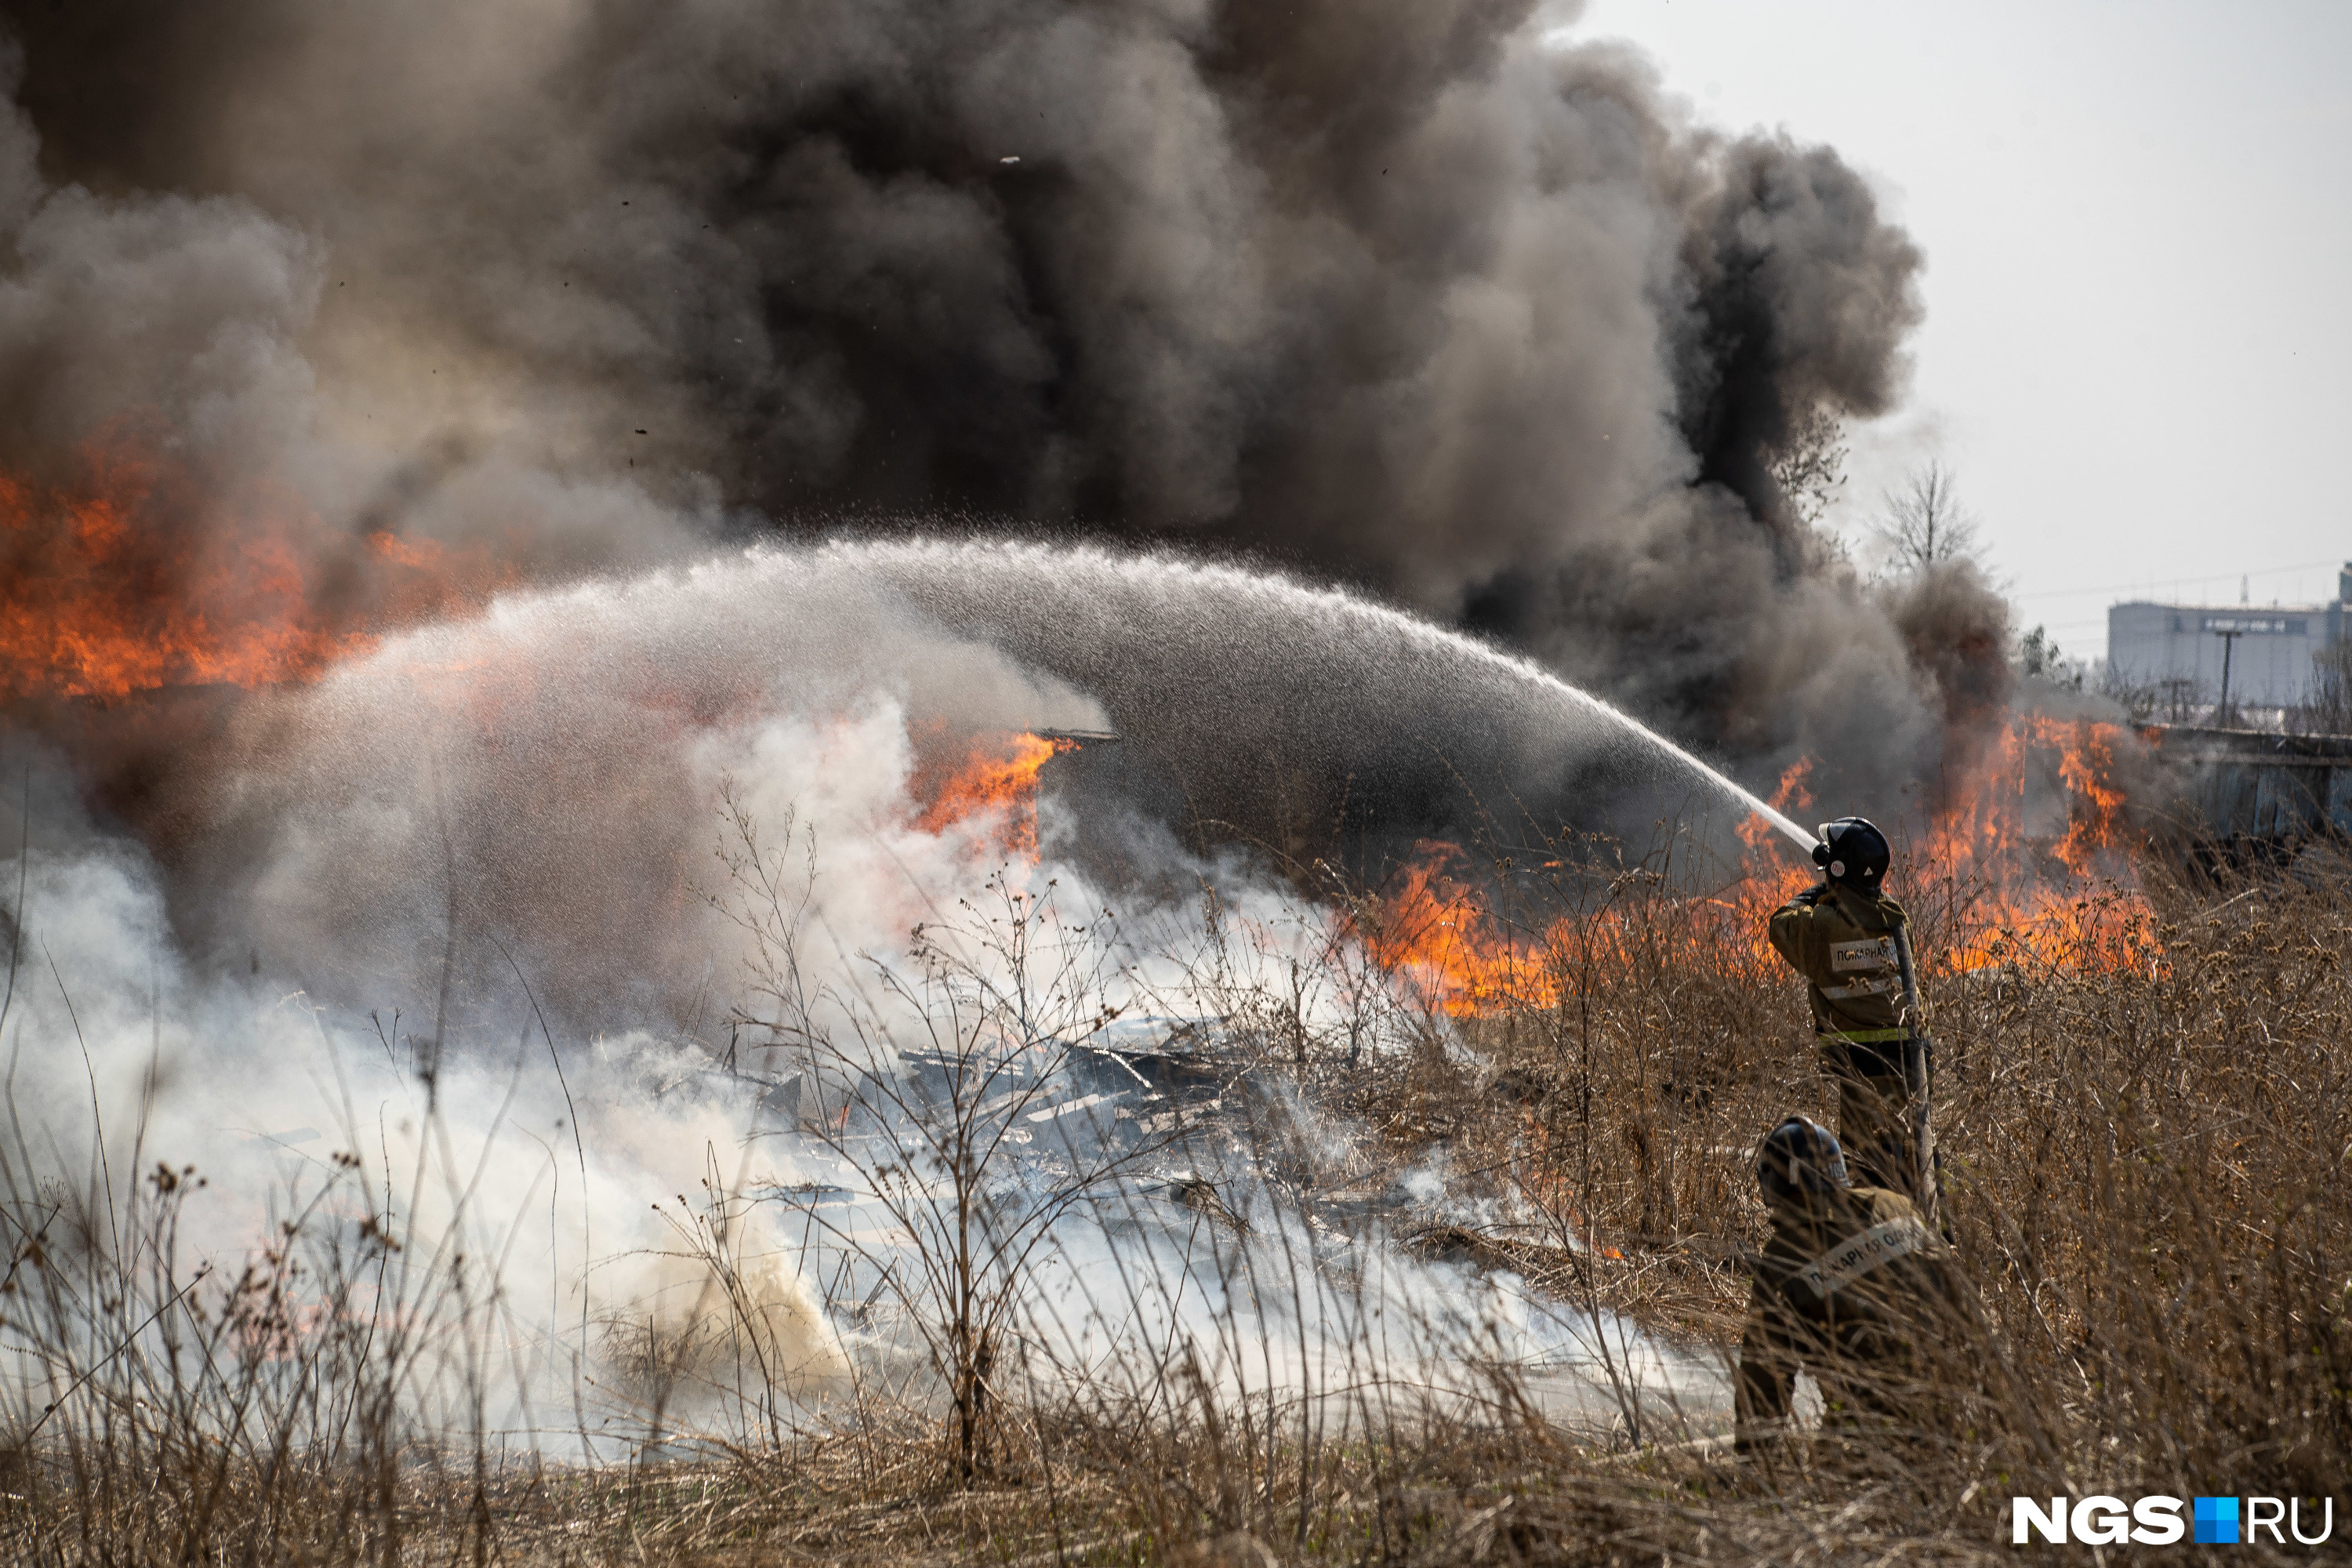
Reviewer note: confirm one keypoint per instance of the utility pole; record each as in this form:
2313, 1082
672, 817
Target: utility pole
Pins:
2228, 643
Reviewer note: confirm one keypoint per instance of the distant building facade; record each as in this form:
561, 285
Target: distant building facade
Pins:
2179, 650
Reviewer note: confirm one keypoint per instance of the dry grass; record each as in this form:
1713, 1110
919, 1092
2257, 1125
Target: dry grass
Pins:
2147, 1184
2145, 1159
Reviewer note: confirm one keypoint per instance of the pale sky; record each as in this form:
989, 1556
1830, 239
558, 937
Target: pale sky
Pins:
2138, 220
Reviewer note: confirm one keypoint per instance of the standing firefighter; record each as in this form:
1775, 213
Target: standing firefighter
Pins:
1853, 1287
1852, 944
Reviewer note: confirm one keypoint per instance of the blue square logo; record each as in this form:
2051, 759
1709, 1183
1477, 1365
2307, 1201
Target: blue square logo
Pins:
2217, 1521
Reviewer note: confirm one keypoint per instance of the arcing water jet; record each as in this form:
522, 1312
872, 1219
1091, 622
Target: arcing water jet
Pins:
549, 769
532, 797
1200, 645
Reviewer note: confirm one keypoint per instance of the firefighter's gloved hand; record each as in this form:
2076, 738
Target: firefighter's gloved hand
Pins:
1811, 895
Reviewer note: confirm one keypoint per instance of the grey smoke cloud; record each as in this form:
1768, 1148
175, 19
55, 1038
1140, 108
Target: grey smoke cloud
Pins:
1394, 292
1406, 293
546, 779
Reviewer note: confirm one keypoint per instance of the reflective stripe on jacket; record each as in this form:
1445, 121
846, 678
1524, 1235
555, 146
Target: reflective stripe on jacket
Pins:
1842, 942
1852, 1295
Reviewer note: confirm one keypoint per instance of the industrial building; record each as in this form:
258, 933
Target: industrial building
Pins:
2245, 655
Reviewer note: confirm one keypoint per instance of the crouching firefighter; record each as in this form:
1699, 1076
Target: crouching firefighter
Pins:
1853, 1288
1852, 944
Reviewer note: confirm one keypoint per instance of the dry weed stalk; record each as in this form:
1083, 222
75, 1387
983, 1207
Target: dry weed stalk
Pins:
2145, 1167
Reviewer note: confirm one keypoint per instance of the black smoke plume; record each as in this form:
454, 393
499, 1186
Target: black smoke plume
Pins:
1427, 296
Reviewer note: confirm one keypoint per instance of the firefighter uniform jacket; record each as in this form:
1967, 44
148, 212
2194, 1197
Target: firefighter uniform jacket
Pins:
1861, 1294
1842, 941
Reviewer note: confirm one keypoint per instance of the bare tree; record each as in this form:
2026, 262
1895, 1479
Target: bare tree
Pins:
2039, 656
1922, 521
1809, 466
2327, 708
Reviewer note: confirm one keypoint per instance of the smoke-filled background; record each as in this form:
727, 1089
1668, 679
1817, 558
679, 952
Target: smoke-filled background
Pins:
1425, 297
459, 463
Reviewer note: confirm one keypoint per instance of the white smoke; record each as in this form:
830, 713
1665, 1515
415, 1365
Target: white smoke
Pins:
483, 917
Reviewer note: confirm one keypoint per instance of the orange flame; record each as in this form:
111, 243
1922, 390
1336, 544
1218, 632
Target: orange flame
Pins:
133, 574
1436, 930
2088, 767
2033, 858
1773, 873
996, 778
2061, 890
1795, 793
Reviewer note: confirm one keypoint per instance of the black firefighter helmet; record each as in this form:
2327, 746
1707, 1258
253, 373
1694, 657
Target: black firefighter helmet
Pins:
1852, 851
1801, 1156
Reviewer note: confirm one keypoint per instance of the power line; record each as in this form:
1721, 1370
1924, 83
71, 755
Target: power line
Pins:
2215, 577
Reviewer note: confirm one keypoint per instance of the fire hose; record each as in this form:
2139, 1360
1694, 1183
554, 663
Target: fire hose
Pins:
1918, 1059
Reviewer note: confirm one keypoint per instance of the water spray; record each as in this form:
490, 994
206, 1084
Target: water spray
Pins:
1078, 610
